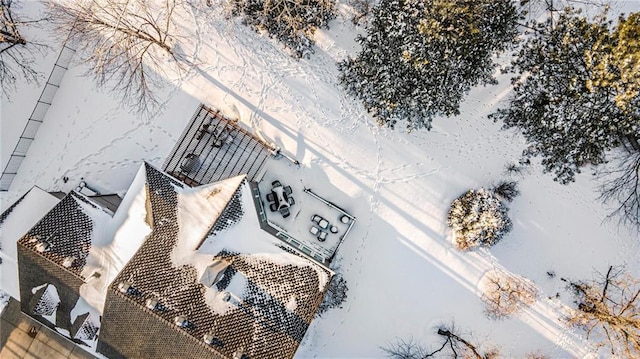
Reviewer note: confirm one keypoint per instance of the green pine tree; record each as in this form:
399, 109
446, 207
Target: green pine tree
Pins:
566, 122
419, 58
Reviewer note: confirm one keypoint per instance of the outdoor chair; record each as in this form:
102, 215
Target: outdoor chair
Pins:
276, 184
270, 197
314, 230
285, 212
322, 236
291, 201
288, 190
273, 207
321, 222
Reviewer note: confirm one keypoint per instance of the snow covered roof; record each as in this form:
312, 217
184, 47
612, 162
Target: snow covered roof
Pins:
263, 303
64, 235
15, 221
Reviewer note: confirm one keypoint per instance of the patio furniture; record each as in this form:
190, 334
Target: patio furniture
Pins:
270, 197
276, 183
314, 230
345, 219
281, 197
190, 163
334, 229
285, 212
291, 201
288, 190
273, 207
322, 236
321, 222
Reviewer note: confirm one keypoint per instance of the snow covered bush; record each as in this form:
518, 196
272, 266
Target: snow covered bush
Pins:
505, 293
477, 218
291, 22
420, 58
336, 294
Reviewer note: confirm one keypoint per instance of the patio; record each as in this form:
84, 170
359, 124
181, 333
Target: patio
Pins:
295, 228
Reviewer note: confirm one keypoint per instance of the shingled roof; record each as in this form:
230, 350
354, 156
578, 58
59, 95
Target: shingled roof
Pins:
267, 297
64, 234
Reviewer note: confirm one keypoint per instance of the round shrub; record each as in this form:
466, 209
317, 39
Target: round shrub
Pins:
478, 218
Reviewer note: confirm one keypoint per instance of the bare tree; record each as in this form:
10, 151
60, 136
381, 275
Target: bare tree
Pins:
608, 310
16, 52
506, 293
454, 345
127, 43
621, 186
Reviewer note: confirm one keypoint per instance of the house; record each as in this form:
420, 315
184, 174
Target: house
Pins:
174, 271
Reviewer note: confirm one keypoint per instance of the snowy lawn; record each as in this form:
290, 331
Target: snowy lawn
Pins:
404, 274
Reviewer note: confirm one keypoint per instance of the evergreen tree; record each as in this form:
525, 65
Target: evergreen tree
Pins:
419, 58
565, 123
615, 63
291, 22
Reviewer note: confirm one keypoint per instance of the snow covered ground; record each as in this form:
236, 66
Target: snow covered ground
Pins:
404, 275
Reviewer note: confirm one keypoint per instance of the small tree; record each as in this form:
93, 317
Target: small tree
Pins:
505, 294
291, 22
336, 294
506, 190
16, 52
608, 310
420, 58
126, 43
478, 217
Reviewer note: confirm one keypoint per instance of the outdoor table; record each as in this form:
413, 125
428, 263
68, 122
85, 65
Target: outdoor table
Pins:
282, 201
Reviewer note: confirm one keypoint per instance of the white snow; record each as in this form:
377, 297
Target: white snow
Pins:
198, 209
292, 304
403, 273
114, 242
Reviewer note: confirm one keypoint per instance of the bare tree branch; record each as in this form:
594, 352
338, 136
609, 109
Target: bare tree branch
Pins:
621, 187
16, 52
608, 310
459, 347
127, 43
506, 293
